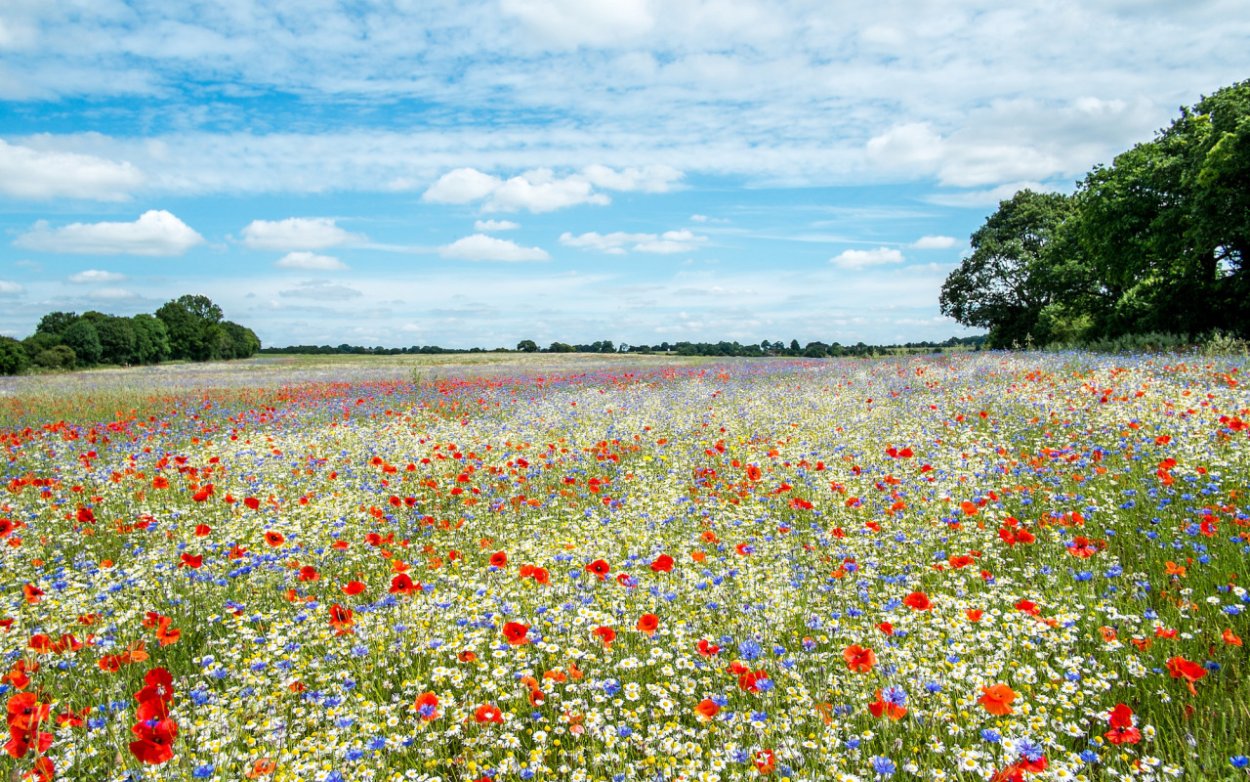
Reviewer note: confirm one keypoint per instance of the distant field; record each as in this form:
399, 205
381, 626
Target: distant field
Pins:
969, 567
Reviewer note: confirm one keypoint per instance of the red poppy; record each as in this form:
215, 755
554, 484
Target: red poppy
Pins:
427, 706
274, 539
1121, 731
974, 614
402, 584
308, 573
352, 588
156, 738
997, 699
753, 681
487, 712
605, 634
341, 619
499, 559
886, 628
648, 623
32, 593
859, 659
918, 601
515, 633
202, 529
600, 568
707, 648
707, 709
883, 708
1190, 671
765, 761
25, 712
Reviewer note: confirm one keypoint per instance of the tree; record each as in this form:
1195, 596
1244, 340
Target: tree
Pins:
527, 346
118, 341
84, 340
560, 347
13, 358
151, 339
1002, 284
55, 323
189, 320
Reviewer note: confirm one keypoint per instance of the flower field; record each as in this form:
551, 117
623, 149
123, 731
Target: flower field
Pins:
964, 567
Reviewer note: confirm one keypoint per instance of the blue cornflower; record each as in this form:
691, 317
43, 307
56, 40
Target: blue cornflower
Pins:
895, 695
1030, 750
883, 766
992, 736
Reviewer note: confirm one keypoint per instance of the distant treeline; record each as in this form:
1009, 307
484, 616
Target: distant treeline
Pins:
764, 348
1155, 244
189, 328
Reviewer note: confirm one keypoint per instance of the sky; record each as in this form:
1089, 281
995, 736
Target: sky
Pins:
475, 173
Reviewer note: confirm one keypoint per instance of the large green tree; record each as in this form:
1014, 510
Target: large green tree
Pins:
1007, 281
189, 321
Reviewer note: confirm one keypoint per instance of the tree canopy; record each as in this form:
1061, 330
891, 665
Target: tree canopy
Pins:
1156, 241
189, 327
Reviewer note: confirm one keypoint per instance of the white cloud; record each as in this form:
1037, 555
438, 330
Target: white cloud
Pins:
494, 225
932, 242
461, 186
155, 233
93, 276
302, 259
862, 259
988, 197
573, 23
38, 174
480, 247
321, 290
8, 288
910, 145
540, 190
620, 242
112, 294
648, 179
296, 233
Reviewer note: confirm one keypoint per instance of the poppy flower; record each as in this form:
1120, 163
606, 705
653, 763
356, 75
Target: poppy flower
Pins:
251, 502
997, 699
25, 712
23, 740
974, 614
202, 529
274, 539
707, 648
32, 593
308, 573
1230, 638
1121, 731
707, 709
427, 706
600, 568
662, 564
889, 704
918, 601
155, 741
341, 619
515, 633
1028, 607
765, 761
648, 623
605, 634
403, 584
859, 659
261, 768
1190, 671
467, 656
352, 588
499, 559
754, 681
487, 712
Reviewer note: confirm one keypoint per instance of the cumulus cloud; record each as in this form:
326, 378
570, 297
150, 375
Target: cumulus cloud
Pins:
862, 259
296, 233
302, 259
933, 242
541, 190
95, 276
480, 247
321, 290
648, 179
483, 226
620, 242
987, 197
9, 288
909, 145
155, 233
37, 174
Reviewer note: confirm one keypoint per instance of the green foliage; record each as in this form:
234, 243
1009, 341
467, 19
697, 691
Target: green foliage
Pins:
1154, 243
83, 338
13, 357
527, 346
56, 357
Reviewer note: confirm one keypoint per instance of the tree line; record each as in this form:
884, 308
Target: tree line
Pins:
723, 348
188, 328
1156, 242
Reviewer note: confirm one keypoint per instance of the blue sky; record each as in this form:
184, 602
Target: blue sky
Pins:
416, 172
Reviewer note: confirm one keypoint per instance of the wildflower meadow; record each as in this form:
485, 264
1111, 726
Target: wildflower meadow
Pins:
981, 566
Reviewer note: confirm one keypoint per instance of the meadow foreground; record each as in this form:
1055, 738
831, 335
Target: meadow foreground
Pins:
978, 567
